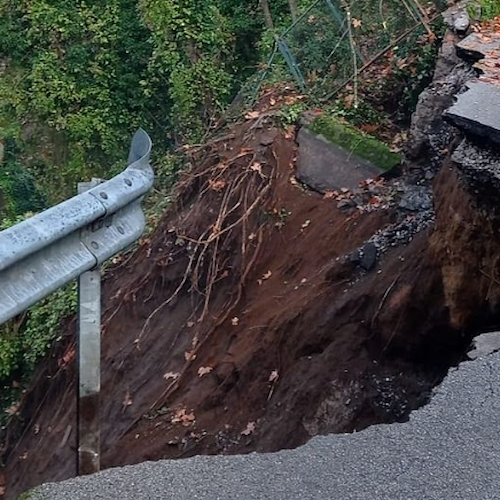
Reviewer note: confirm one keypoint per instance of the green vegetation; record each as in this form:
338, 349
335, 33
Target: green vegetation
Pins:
290, 114
362, 114
484, 10
73, 71
413, 68
78, 78
357, 143
18, 193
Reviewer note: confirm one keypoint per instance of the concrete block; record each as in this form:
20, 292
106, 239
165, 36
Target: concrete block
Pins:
324, 166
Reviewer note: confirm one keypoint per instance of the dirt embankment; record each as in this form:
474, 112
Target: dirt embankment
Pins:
246, 322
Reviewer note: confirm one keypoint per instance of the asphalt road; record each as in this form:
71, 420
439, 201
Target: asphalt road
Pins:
449, 450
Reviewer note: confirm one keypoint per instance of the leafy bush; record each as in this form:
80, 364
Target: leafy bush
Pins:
18, 193
43, 324
24, 342
484, 10
290, 114
10, 348
189, 63
75, 76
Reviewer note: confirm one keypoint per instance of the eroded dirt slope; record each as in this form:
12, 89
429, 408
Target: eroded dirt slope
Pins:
249, 322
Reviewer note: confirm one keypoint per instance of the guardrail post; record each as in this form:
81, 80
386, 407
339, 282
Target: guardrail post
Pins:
70, 240
89, 362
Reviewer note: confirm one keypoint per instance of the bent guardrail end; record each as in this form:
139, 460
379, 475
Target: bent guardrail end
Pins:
141, 146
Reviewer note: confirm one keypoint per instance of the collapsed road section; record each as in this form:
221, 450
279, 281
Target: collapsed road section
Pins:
261, 313
449, 449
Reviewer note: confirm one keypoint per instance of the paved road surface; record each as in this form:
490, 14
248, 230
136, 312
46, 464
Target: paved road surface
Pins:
449, 450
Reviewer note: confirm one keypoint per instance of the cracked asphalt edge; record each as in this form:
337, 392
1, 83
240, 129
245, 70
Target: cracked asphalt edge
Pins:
449, 449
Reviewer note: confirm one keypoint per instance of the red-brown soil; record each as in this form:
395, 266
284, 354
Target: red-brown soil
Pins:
239, 325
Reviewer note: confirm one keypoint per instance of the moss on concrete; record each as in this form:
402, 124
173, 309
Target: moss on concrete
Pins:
356, 142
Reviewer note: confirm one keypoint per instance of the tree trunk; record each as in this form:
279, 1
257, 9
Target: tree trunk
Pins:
267, 14
293, 9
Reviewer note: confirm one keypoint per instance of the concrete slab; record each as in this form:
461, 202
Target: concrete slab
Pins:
483, 49
477, 111
324, 166
478, 45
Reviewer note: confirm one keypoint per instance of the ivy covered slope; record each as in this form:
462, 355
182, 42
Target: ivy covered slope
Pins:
76, 78
72, 84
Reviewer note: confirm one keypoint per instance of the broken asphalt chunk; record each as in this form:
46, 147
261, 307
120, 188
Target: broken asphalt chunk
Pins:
477, 112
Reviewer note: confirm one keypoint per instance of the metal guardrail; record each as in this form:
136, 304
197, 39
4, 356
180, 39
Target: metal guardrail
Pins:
43, 253
69, 241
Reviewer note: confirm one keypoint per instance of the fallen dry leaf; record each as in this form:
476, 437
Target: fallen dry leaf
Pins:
274, 376
290, 132
67, 358
183, 417
369, 128
248, 429
204, 370
171, 375
357, 23
189, 356
13, 409
252, 115
265, 277
256, 167
216, 185
128, 399
349, 100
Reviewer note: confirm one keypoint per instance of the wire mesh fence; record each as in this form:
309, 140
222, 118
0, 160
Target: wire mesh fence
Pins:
333, 41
